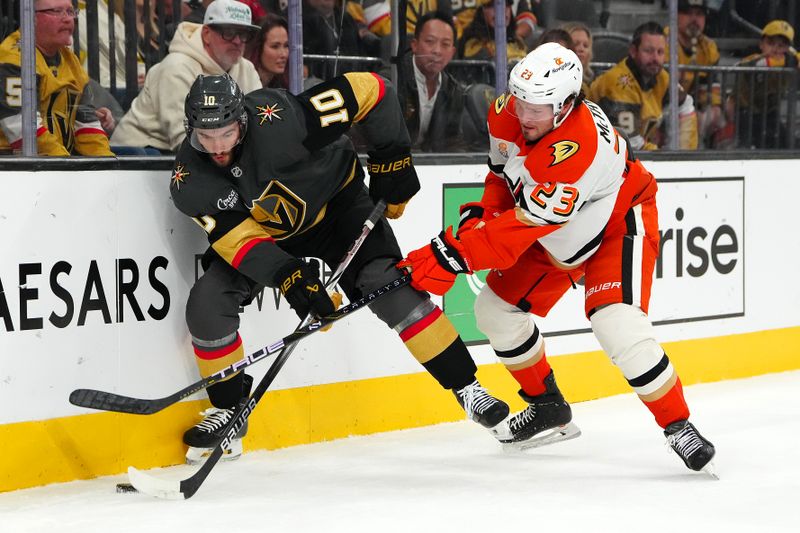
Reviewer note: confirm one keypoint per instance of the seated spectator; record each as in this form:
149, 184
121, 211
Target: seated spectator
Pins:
149, 32
155, 118
373, 15
195, 10
698, 49
257, 11
431, 99
581, 37
67, 121
760, 122
270, 52
329, 31
417, 8
477, 41
104, 46
464, 13
633, 93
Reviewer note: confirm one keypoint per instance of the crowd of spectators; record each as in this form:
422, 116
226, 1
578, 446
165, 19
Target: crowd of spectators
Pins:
445, 73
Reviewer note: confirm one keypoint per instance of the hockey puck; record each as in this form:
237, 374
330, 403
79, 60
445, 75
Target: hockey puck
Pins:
123, 488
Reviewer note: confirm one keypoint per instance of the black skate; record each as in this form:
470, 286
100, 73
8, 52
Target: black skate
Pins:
481, 406
204, 436
691, 446
546, 420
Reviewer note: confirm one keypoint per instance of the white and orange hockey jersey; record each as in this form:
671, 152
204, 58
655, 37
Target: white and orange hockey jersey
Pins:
567, 186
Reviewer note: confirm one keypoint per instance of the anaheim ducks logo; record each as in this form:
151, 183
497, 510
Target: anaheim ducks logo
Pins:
559, 61
563, 150
279, 210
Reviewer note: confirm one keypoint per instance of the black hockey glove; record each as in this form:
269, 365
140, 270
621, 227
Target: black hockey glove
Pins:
393, 178
300, 285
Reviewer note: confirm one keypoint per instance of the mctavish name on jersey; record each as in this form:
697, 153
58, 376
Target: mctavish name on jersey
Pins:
65, 284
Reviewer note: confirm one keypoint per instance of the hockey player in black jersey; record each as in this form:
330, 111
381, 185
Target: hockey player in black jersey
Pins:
271, 179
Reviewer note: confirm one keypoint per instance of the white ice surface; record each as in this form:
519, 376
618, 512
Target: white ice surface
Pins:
617, 477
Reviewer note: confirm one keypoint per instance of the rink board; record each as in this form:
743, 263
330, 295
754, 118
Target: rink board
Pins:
96, 268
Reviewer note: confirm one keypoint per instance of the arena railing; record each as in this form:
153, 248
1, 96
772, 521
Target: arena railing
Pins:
148, 45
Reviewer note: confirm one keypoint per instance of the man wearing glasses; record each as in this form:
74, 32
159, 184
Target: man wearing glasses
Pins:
67, 123
156, 116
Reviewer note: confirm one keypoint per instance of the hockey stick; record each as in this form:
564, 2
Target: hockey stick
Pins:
185, 489
109, 401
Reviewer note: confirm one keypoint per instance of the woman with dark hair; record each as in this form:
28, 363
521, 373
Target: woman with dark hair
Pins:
270, 52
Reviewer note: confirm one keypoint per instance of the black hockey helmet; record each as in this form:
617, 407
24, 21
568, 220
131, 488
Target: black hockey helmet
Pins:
213, 102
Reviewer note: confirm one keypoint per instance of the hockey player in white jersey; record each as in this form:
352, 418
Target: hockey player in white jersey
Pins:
564, 198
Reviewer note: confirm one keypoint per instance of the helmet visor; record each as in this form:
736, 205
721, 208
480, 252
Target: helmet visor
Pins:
217, 140
527, 112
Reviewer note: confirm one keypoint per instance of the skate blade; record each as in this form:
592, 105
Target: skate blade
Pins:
561, 433
501, 431
195, 456
711, 470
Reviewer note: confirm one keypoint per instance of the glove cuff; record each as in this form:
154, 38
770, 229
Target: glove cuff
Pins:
470, 211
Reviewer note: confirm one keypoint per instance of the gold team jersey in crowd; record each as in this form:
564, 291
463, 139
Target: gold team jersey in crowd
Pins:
704, 52
768, 88
65, 125
634, 106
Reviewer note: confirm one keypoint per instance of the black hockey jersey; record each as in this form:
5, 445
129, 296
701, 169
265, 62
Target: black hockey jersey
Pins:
292, 161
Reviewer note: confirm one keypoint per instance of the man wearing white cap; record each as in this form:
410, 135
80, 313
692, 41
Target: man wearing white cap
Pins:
215, 47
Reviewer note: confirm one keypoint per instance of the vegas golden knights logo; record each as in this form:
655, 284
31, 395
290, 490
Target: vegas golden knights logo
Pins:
279, 210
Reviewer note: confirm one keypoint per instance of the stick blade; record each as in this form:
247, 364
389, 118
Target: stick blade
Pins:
108, 401
155, 487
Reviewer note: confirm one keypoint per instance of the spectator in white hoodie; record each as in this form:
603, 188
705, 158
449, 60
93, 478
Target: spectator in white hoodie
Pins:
156, 115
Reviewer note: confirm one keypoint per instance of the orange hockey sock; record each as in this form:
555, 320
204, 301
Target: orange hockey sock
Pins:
531, 379
670, 407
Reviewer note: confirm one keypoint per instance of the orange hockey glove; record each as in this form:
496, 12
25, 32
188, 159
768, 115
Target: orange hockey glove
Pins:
434, 266
471, 215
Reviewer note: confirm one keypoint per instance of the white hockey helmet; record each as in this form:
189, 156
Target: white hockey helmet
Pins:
550, 74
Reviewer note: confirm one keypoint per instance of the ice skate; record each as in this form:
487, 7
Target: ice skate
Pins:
696, 451
481, 406
546, 420
204, 436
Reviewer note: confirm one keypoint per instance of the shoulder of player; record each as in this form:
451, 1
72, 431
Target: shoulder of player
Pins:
502, 124
271, 107
258, 98
566, 153
195, 184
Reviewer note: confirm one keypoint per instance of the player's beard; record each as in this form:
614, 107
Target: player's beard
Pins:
222, 159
